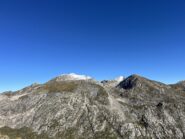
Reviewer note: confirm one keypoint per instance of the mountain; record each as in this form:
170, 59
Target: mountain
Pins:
180, 86
136, 81
75, 106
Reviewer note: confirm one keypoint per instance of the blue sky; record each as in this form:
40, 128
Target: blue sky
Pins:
40, 39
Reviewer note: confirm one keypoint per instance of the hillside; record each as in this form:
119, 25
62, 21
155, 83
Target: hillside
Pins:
79, 107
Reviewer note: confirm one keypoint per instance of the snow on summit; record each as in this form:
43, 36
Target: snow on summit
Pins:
119, 79
72, 76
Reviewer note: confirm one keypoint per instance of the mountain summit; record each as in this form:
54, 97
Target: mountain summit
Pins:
136, 81
74, 106
72, 76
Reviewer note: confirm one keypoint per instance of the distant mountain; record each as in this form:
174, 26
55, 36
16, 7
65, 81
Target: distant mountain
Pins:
73, 106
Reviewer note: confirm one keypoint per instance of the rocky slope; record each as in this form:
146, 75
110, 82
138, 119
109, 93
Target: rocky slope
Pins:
78, 107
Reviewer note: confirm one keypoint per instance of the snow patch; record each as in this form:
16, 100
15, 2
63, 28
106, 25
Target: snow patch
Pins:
119, 79
72, 76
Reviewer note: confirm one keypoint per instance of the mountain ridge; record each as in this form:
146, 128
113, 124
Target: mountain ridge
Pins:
134, 107
69, 77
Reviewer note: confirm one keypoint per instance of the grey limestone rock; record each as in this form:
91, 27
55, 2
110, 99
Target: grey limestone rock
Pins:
82, 108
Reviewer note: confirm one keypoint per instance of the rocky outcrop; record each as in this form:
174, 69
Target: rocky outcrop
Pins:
112, 83
75, 109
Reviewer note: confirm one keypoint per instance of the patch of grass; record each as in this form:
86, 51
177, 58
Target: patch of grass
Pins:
106, 134
60, 87
70, 133
23, 133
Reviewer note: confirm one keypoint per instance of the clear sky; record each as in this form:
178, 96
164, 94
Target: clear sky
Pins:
40, 39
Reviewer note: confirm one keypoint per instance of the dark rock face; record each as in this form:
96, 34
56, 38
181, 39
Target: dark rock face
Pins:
130, 82
136, 108
136, 81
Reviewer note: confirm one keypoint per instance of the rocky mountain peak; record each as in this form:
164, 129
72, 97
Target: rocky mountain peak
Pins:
182, 82
136, 81
180, 86
132, 81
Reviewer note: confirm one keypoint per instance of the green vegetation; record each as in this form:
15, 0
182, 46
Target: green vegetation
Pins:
60, 87
71, 133
107, 134
23, 133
